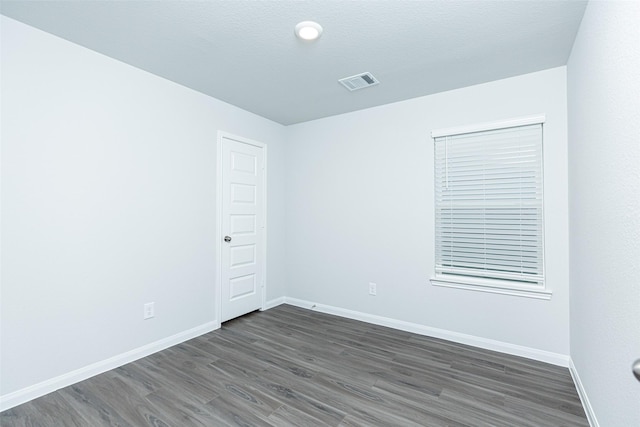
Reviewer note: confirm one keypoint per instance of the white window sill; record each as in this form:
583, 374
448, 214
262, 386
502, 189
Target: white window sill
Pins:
504, 290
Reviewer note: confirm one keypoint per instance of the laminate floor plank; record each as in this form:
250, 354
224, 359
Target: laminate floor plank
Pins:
180, 411
390, 403
288, 416
541, 415
293, 392
338, 364
233, 412
142, 381
243, 385
263, 361
187, 381
478, 412
49, 410
124, 401
290, 366
285, 385
91, 407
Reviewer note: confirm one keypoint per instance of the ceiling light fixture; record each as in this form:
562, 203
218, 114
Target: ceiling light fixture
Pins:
308, 30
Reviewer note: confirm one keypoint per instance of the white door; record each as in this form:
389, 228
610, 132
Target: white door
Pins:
243, 232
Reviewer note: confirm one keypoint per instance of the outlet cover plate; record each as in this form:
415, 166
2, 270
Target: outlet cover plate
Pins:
149, 310
373, 289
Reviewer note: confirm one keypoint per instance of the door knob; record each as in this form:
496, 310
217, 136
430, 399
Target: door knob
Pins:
636, 369
227, 239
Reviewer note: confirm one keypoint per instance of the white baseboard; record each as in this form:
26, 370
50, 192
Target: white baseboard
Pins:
588, 409
488, 344
26, 394
273, 303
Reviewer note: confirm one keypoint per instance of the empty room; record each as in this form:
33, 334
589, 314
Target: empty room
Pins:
320, 213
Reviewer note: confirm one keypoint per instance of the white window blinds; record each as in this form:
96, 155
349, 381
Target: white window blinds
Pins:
488, 199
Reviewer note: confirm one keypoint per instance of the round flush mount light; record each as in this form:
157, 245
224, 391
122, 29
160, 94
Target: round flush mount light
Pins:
308, 30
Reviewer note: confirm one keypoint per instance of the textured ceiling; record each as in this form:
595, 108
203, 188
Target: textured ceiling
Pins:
245, 52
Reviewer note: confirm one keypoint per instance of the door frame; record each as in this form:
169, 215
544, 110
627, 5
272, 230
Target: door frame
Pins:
261, 229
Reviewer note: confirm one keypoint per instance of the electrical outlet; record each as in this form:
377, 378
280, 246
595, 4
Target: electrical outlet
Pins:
373, 288
149, 310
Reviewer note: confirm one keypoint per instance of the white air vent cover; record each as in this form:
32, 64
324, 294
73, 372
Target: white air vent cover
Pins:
359, 81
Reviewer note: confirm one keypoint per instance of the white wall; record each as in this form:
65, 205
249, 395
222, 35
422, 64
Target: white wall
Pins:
108, 202
360, 208
604, 177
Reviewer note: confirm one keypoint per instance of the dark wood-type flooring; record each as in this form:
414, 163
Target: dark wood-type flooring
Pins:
293, 367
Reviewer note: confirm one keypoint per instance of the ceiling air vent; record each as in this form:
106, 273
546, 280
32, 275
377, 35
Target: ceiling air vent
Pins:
359, 81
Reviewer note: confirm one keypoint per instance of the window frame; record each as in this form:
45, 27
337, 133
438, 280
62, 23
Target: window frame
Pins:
492, 285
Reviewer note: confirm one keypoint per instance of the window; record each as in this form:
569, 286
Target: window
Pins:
488, 208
